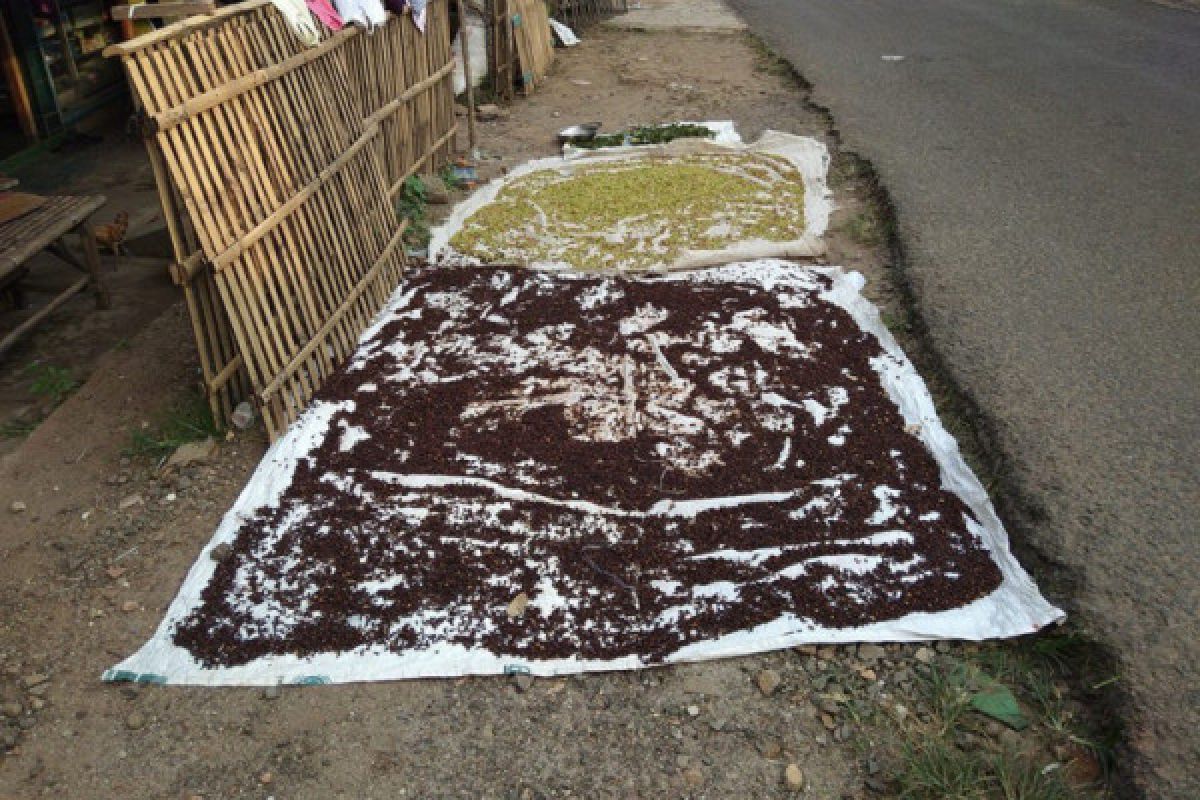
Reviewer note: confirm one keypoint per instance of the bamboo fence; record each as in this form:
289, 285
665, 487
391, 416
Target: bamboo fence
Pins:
535, 43
520, 45
278, 167
501, 47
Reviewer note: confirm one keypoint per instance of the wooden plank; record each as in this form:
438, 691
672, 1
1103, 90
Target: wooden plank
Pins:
27, 235
15, 81
179, 29
16, 333
161, 10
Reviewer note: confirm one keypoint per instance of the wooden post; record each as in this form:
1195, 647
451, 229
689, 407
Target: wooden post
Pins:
91, 257
16, 85
466, 57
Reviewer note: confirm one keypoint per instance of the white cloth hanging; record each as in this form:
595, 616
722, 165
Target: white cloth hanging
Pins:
300, 19
368, 13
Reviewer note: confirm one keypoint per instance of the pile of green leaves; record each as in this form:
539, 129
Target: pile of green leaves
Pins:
648, 134
411, 205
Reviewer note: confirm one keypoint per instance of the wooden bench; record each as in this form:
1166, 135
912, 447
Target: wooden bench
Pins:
44, 228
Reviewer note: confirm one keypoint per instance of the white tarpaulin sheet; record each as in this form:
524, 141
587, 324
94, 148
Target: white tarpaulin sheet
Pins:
406, 553
642, 235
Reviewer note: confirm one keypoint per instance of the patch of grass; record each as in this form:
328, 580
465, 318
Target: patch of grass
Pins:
16, 429
48, 381
188, 420
766, 60
948, 694
896, 323
934, 769
865, 229
1041, 669
1014, 778
450, 178
950, 755
412, 205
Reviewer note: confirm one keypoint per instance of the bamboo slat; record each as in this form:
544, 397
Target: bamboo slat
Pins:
535, 45
502, 53
277, 167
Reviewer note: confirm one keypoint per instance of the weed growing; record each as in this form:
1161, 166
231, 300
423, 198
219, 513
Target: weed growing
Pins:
187, 420
52, 383
412, 206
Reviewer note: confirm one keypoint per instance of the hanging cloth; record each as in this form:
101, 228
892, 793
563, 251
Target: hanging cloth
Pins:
300, 20
368, 13
418, 10
326, 13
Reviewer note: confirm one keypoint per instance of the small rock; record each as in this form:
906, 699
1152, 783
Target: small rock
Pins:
793, 778
829, 722
18, 507
26, 723
37, 703
693, 776
266, 778
130, 501
693, 711
221, 552
12, 709
869, 675
34, 679
923, 655
192, 453
900, 712
768, 681
523, 681
682, 761
870, 652
516, 608
135, 721
130, 606
942, 647
876, 785
272, 692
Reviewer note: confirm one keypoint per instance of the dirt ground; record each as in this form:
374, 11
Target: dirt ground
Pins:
96, 542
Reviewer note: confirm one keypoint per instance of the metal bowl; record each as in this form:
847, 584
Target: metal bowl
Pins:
578, 133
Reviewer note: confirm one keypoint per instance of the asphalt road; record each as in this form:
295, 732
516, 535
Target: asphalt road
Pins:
1044, 158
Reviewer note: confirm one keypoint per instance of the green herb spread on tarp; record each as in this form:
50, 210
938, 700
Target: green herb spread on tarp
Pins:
638, 214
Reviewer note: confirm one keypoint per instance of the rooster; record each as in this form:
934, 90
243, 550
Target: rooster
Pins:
112, 235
